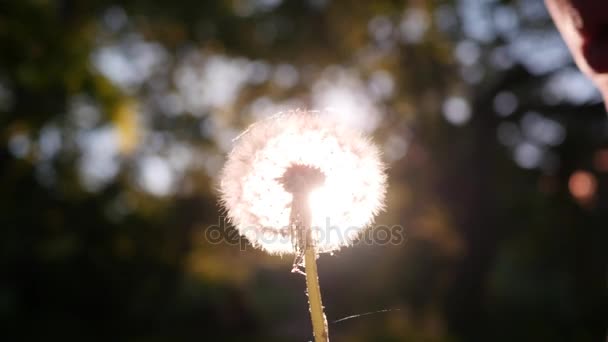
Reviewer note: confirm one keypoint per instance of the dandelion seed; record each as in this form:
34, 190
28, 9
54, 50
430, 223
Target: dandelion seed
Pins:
344, 168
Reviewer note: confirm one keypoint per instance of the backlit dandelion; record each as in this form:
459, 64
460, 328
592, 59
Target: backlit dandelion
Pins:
298, 183
258, 204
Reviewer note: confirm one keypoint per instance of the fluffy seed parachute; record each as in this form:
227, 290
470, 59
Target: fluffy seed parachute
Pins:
261, 170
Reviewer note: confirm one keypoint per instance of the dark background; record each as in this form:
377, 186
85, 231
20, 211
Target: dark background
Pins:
115, 117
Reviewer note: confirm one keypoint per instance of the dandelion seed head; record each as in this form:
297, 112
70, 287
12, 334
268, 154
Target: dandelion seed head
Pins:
278, 155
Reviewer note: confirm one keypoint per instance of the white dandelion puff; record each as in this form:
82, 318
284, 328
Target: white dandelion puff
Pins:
276, 157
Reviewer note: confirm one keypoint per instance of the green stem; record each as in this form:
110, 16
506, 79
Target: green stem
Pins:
319, 322
300, 219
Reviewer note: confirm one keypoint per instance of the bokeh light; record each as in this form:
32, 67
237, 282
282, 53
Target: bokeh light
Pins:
582, 185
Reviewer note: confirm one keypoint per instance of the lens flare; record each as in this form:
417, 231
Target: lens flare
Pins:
346, 202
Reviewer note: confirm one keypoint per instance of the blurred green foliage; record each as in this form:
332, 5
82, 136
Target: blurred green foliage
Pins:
115, 117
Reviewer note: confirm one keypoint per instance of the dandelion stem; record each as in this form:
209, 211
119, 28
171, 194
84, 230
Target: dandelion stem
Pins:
299, 180
300, 219
319, 322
